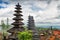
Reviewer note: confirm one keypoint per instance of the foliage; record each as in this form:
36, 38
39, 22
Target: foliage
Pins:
4, 28
25, 35
3, 25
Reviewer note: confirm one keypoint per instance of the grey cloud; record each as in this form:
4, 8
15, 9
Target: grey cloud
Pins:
9, 14
58, 17
22, 1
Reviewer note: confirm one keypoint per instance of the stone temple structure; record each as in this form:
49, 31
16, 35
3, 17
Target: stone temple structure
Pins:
31, 26
18, 24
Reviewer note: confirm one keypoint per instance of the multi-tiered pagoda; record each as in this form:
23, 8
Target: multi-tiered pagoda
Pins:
18, 24
31, 26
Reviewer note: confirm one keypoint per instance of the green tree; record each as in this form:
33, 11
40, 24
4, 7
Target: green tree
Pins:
3, 25
4, 28
25, 35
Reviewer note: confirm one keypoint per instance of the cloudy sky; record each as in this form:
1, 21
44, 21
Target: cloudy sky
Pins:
43, 11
